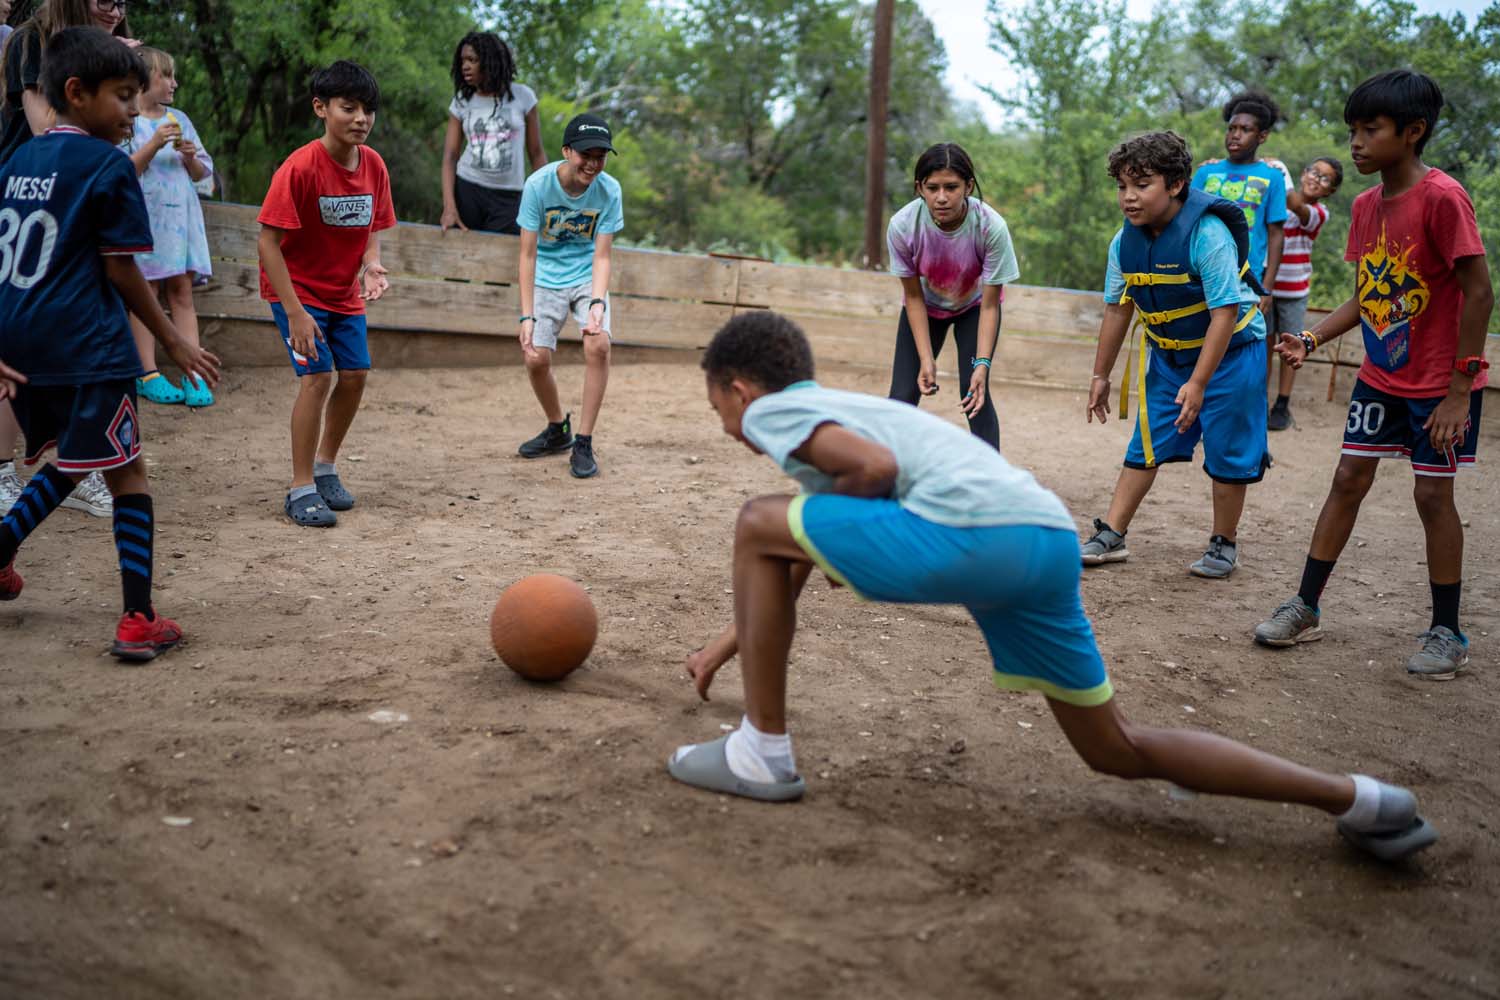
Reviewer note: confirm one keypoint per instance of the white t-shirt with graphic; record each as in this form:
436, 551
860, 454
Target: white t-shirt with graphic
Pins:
494, 155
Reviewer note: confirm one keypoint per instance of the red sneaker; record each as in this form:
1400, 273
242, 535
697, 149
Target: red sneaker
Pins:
139, 640
10, 582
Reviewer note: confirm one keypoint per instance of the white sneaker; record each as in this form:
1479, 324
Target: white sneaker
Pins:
11, 486
92, 497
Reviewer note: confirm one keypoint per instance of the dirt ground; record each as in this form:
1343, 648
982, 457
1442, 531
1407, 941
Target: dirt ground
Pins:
518, 839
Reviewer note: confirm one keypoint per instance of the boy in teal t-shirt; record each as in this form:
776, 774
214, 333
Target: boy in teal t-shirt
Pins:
1257, 188
570, 211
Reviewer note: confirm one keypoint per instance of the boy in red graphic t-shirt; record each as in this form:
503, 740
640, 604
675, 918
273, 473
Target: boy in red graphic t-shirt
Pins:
319, 263
1423, 300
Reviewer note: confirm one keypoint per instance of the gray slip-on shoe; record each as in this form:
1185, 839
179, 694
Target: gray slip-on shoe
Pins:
705, 766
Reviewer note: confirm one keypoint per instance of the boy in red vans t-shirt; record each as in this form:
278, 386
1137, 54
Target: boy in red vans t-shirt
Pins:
1423, 301
319, 263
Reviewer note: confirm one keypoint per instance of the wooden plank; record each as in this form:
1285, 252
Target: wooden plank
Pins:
412, 250
818, 291
487, 310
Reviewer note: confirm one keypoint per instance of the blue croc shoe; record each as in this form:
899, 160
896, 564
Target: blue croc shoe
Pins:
159, 389
310, 511
331, 489
196, 392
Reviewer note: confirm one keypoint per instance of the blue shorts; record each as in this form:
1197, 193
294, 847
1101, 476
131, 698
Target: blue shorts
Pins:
93, 426
1021, 584
344, 345
1232, 423
1384, 426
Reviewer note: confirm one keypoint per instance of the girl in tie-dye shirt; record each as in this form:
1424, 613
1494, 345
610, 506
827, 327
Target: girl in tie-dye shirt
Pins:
953, 255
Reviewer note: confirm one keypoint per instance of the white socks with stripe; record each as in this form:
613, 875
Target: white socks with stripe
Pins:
757, 756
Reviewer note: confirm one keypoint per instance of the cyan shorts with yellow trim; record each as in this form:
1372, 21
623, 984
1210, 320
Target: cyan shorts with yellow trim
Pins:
1232, 423
1020, 582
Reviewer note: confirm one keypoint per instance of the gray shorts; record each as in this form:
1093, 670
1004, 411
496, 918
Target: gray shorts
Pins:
1289, 316
551, 307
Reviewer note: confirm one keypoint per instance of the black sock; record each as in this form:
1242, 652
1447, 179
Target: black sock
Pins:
135, 533
1314, 578
585, 438
1283, 400
46, 490
1445, 605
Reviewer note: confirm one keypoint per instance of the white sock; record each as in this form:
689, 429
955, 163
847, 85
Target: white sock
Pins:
1366, 806
325, 469
757, 756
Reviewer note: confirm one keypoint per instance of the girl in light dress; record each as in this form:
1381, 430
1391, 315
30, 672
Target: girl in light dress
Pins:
170, 160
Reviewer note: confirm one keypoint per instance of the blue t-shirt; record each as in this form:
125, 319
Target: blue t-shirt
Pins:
944, 474
1258, 189
67, 198
1213, 260
565, 226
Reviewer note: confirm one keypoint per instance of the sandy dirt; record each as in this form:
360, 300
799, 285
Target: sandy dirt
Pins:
517, 839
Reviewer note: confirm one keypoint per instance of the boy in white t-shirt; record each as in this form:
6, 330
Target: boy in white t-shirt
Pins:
1305, 217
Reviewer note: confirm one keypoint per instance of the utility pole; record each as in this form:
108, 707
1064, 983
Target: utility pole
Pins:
880, 91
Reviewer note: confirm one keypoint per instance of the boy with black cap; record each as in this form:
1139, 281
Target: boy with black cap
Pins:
570, 211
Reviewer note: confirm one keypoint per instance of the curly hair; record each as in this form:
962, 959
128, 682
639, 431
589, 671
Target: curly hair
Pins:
1256, 103
763, 347
497, 67
1164, 153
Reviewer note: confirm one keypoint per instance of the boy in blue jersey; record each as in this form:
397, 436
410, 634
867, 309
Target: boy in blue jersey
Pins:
570, 212
72, 217
1259, 189
899, 505
1181, 258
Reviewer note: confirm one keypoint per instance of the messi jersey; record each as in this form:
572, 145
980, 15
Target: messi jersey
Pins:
67, 198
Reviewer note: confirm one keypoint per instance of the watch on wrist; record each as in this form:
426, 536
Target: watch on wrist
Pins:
1471, 366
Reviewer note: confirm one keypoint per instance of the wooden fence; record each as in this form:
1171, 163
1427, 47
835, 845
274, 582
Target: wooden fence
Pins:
453, 301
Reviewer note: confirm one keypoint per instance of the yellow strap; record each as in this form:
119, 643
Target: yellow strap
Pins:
1145, 421
1125, 382
1168, 344
1140, 278
1171, 315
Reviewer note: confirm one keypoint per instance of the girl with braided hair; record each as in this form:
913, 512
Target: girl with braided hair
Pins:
497, 118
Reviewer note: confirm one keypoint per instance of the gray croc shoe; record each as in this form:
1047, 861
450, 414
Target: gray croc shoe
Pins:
705, 766
310, 511
331, 489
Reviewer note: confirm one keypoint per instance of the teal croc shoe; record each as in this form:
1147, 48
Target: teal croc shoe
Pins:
196, 392
159, 389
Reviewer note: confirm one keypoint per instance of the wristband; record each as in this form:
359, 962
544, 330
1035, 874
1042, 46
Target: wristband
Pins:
1308, 341
595, 302
523, 319
981, 361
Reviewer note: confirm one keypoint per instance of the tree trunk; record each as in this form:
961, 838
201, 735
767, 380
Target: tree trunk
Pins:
880, 91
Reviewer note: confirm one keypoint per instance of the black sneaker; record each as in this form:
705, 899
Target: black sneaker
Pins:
582, 464
1280, 417
556, 438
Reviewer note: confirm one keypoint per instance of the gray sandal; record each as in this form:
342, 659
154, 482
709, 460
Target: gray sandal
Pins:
1396, 845
331, 489
705, 766
310, 511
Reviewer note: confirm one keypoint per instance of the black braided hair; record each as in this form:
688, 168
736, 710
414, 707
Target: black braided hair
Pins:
1256, 103
497, 67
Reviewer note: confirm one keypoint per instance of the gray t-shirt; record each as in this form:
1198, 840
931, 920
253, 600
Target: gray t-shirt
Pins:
946, 475
494, 153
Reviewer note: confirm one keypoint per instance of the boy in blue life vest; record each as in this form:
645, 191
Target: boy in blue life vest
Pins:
1181, 259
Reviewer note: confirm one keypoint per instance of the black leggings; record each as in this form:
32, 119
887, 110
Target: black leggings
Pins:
984, 425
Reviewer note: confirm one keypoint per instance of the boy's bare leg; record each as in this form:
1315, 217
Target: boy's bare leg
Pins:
1130, 489
1443, 527
543, 385
1288, 377
125, 480
765, 606
1203, 762
595, 378
1351, 481
1229, 504
307, 420
343, 406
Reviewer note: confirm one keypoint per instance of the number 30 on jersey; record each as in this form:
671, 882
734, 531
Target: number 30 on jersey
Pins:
16, 236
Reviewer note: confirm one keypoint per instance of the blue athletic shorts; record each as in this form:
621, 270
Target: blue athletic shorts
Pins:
344, 346
1021, 584
1384, 426
93, 426
1232, 423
